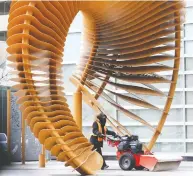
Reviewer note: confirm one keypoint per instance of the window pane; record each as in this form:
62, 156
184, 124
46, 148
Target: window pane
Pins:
150, 99
170, 132
88, 114
7, 7
189, 82
175, 115
2, 8
189, 3
150, 115
189, 97
123, 119
188, 30
168, 147
190, 147
87, 131
189, 14
189, 132
161, 100
72, 48
189, 63
33, 146
189, 113
141, 131
68, 70
188, 47
108, 107
146, 114
2, 36
70, 101
165, 85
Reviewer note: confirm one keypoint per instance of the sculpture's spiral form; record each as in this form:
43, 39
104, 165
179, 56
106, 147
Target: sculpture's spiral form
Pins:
128, 41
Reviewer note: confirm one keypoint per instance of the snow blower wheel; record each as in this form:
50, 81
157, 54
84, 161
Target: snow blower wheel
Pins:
127, 162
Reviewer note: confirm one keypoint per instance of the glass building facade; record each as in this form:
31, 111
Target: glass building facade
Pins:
3, 109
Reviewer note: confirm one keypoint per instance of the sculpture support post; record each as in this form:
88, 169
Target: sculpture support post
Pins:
42, 160
77, 100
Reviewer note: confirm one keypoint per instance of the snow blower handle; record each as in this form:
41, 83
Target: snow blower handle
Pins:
113, 142
117, 136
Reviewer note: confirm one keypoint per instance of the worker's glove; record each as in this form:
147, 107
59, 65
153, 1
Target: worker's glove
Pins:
103, 136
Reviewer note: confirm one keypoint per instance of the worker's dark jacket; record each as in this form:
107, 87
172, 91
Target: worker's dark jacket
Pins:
95, 130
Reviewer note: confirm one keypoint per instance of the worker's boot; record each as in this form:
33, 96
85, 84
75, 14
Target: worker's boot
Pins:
104, 167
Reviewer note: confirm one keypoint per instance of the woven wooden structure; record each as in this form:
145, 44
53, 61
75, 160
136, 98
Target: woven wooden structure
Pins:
129, 41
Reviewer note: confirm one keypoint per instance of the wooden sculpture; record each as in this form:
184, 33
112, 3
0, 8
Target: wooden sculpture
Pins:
123, 40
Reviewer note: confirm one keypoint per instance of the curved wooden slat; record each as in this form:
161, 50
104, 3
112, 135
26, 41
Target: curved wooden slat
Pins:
128, 41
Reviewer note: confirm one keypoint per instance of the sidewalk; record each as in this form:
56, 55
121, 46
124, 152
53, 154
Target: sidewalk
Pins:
55, 168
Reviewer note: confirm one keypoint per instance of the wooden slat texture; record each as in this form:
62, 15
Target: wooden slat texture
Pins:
126, 45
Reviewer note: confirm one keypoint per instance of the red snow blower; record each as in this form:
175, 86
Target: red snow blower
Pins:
131, 155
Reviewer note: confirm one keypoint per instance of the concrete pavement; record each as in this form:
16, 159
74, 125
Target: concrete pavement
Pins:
54, 168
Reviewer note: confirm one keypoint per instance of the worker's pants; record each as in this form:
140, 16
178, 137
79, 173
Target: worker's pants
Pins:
98, 149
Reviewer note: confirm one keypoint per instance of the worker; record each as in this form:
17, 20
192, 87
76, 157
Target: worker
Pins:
99, 132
